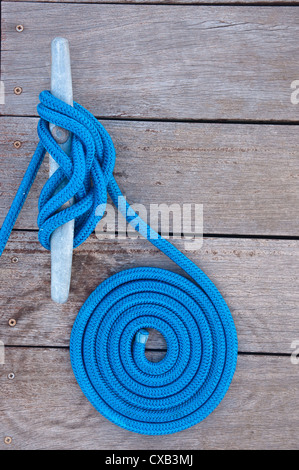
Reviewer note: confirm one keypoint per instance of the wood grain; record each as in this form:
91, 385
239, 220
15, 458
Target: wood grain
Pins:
43, 408
246, 176
258, 279
161, 62
168, 2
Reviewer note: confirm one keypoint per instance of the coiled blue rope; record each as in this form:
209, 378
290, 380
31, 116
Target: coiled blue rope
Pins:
108, 339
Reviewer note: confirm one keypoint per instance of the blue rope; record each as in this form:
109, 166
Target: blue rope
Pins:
108, 339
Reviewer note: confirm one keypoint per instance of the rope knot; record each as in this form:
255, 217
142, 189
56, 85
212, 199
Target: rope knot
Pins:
80, 184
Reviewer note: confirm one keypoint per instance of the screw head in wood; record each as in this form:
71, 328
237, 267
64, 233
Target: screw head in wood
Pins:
17, 144
11, 376
18, 90
14, 259
12, 322
19, 28
8, 440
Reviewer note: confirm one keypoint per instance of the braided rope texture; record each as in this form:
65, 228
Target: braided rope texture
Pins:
108, 339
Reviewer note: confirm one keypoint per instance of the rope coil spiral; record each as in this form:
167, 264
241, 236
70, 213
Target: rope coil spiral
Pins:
108, 339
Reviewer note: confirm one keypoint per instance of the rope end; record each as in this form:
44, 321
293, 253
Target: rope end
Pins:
142, 336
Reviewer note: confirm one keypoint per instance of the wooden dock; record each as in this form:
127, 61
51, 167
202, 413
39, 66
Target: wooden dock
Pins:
200, 101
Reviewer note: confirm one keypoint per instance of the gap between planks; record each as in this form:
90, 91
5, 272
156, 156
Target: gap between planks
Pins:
148, 350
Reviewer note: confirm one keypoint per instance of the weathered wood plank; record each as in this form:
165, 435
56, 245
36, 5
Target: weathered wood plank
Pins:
149, 61
174, 2
43, 408
258, 279
246, 177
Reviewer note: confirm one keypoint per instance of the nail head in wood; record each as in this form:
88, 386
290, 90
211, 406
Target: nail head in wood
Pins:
18, 90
